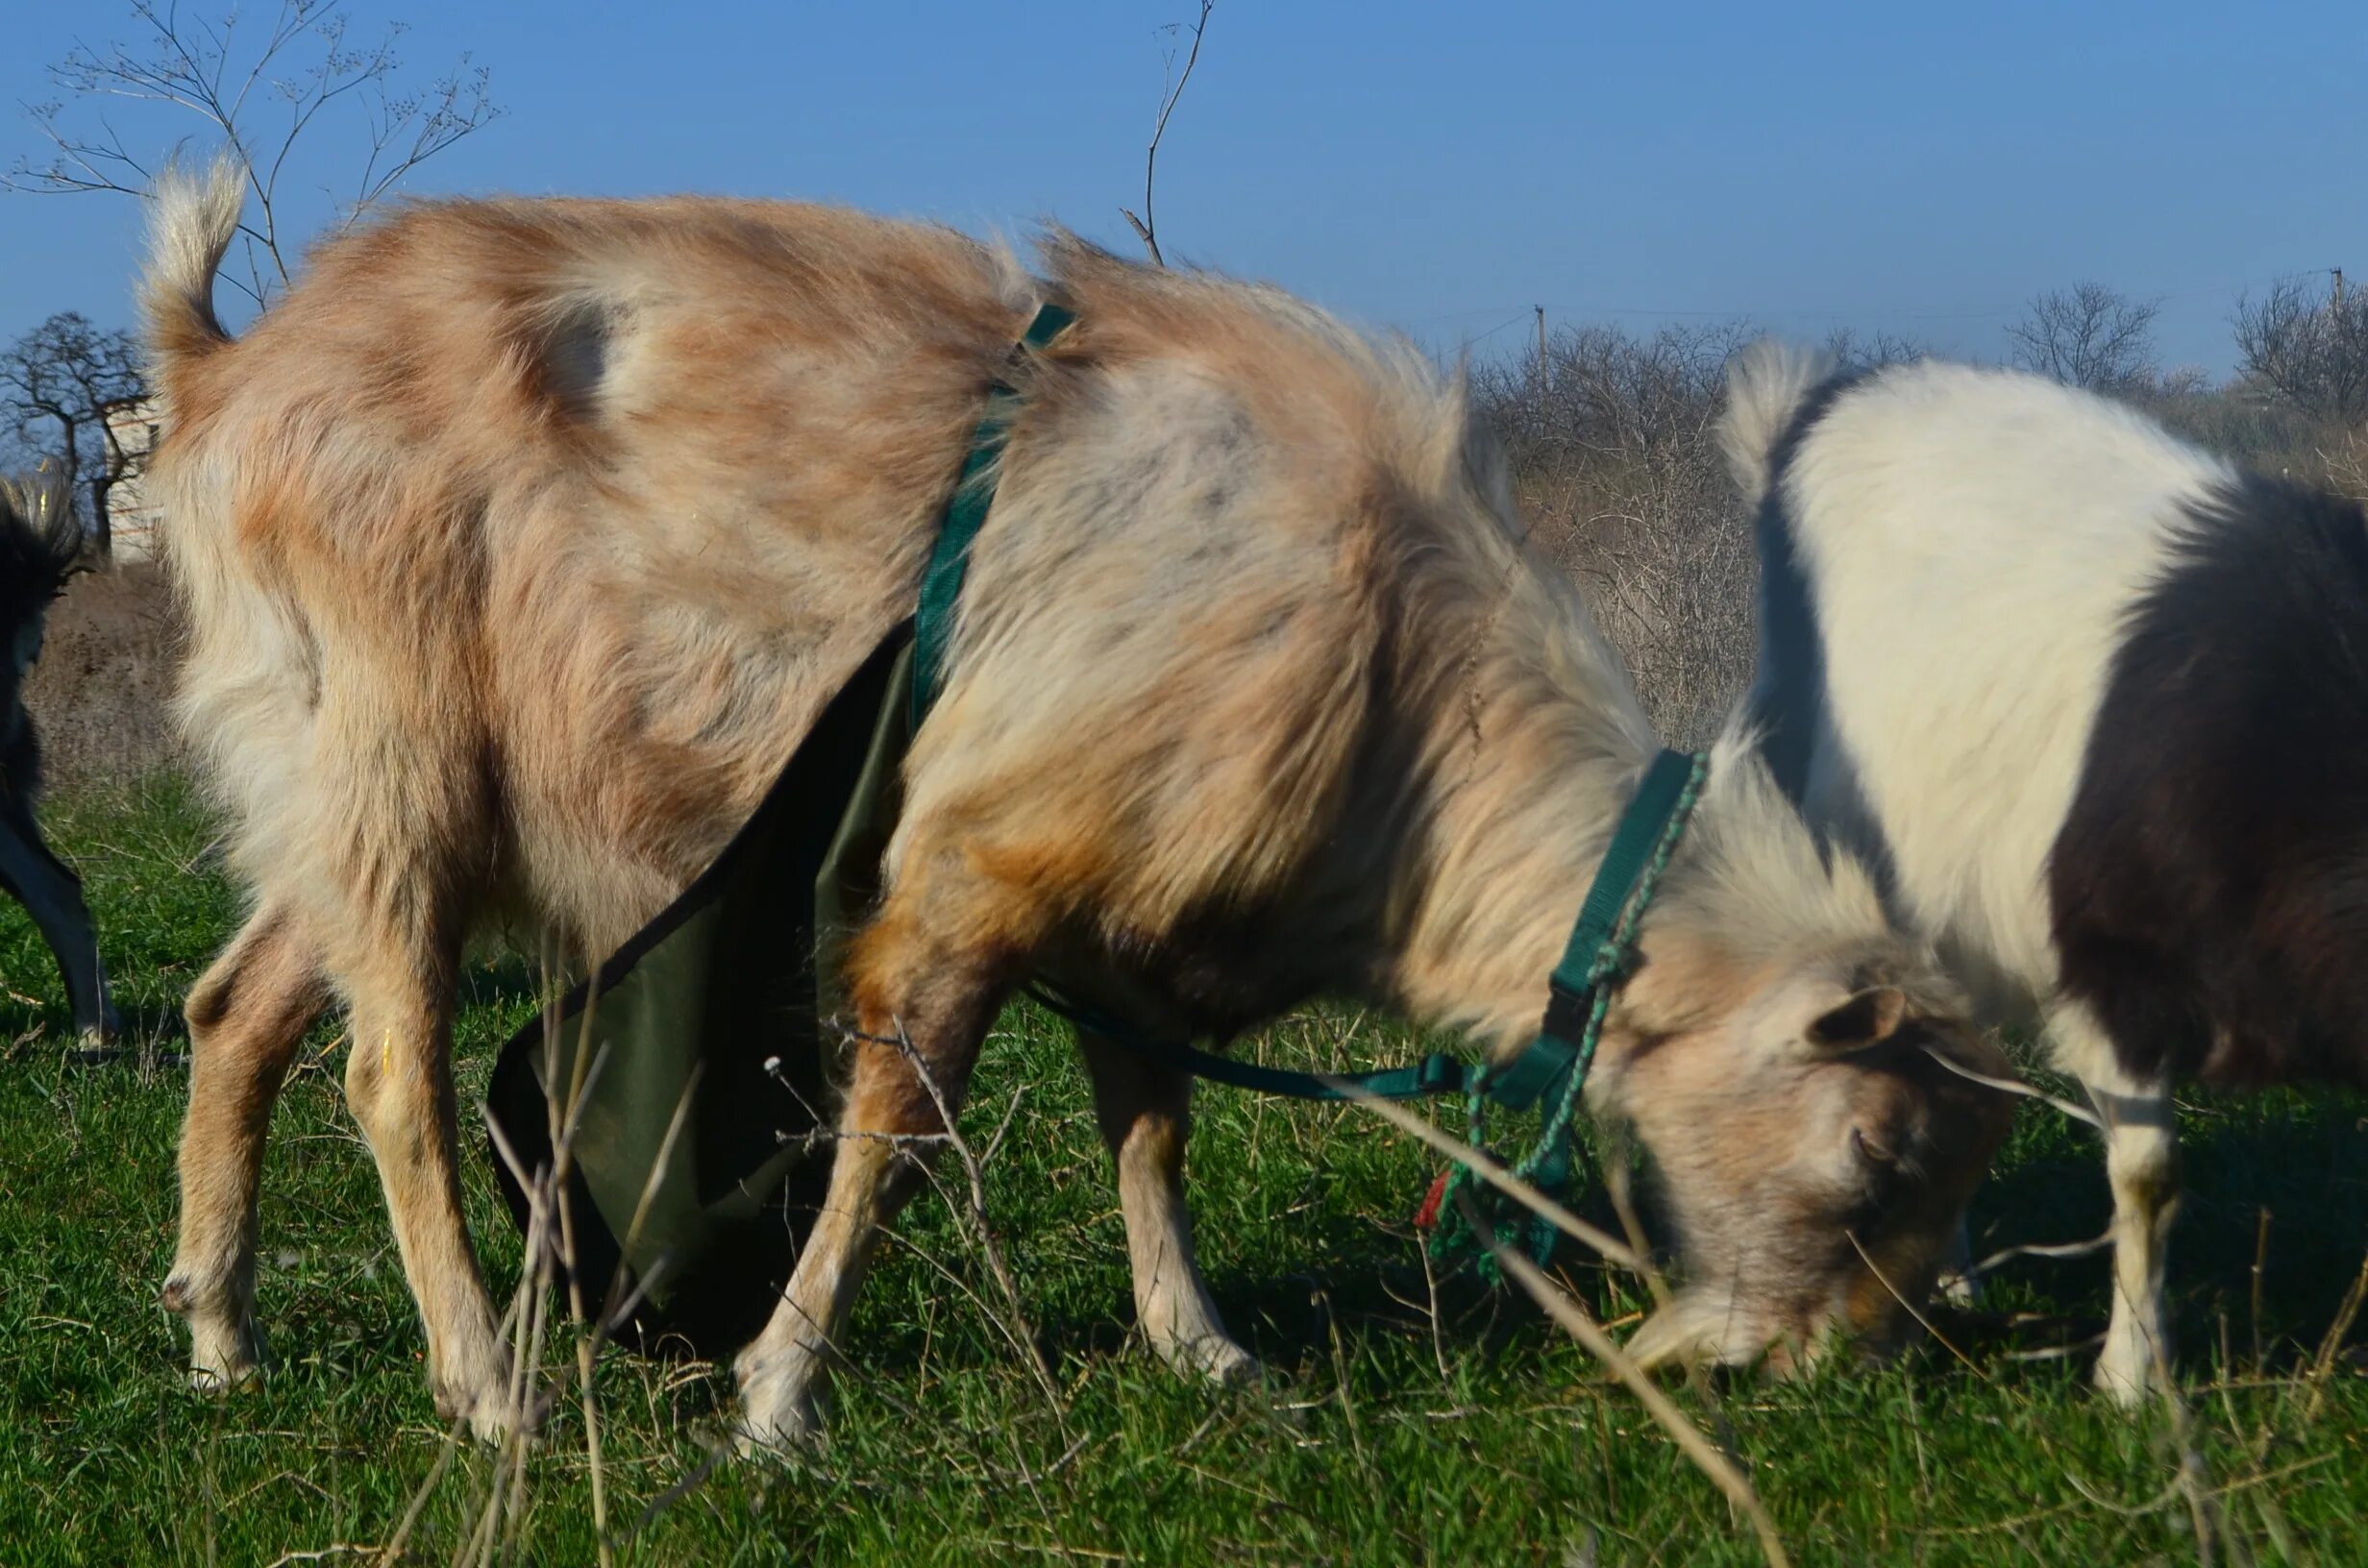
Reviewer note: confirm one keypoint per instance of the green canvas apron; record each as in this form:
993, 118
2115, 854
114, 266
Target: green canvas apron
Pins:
722, 1006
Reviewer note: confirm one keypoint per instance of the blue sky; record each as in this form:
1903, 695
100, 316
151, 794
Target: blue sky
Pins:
1438, 168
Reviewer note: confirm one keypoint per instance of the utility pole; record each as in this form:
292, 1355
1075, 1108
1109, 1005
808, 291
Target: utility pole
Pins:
1542, 348
2339, 272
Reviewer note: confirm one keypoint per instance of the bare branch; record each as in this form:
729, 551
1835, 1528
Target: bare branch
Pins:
268, 96
1146, 226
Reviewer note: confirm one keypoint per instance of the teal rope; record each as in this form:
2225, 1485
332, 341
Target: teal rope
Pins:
1551, 1161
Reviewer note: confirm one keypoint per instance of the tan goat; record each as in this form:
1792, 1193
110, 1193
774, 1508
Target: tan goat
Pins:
522, 540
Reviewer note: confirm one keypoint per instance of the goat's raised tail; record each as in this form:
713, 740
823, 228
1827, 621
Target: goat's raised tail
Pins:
194, 218
1766, 384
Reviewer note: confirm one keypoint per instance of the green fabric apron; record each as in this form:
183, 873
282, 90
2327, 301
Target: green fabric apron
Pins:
720, 1005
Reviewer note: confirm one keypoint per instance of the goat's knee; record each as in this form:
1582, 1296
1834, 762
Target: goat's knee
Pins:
2142, 1165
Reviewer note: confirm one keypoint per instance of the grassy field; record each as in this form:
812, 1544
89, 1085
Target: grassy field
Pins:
1400, 1425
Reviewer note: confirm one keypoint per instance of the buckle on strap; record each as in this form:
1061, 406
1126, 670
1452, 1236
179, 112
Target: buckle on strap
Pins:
1439, 1073
1523, 1081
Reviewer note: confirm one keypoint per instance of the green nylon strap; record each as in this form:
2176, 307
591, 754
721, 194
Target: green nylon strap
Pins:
1589, 959
973, 493
1437, 1073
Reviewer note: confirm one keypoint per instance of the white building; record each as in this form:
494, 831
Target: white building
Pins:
131, 521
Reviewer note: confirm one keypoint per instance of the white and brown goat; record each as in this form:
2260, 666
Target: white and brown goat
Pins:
40, 545
523, 540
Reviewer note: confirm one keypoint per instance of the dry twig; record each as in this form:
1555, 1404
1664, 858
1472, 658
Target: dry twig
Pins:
1146, 226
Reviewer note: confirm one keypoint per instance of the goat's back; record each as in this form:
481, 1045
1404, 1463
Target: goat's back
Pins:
594, 501
553, 524
1969, 543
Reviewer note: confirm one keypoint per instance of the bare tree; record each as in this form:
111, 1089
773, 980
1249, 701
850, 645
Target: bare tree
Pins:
2088, 335
261, 87
57, 384
1146, 227
1873, 350
2308, 346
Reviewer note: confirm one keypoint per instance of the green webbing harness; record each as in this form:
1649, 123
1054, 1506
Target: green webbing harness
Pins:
941, 584
1552, 1068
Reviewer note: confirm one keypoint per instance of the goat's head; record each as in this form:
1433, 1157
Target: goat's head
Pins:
1813, 1155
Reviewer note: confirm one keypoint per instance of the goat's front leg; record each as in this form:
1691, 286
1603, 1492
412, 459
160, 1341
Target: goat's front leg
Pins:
921, 1009
53, 895
2141, 1163
1146, 1114
2142, 1160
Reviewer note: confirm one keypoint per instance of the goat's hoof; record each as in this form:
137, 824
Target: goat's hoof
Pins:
787, 1430
1225, 1364
219, 1379
471, 1382
2123, 1375
491, 1415
1212, 1357
781, 1413
225, 1349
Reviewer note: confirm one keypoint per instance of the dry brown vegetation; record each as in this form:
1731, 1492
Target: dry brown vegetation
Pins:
102, 690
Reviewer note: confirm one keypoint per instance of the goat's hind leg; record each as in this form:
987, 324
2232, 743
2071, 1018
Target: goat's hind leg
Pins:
246, 1015
399, 1082
1146, 1114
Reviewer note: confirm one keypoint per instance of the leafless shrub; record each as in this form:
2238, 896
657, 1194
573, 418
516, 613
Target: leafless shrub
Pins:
2310, 348
102, 692
2087, 335
1618, 468
1855, 351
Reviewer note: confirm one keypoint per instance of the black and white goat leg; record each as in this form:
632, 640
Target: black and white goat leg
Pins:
53, 895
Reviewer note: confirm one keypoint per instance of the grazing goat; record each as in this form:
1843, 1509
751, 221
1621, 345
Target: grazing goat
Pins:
522, 540
2094, 705
40, 542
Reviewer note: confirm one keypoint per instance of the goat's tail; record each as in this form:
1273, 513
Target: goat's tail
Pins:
1766, 385
40, 534
190, 227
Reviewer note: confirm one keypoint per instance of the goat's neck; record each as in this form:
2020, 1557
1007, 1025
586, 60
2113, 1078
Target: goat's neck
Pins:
1522, 806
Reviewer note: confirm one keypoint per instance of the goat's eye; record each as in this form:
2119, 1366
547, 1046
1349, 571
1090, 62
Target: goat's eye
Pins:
1870, 1151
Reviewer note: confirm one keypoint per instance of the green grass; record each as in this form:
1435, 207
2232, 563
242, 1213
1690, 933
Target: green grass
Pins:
1388, 1435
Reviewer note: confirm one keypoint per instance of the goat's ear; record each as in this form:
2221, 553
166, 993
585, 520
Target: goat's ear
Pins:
1865, 1017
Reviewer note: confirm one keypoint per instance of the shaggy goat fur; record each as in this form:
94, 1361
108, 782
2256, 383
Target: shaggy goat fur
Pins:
523, 540
2094, 703
40, 544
